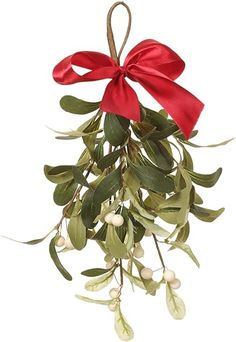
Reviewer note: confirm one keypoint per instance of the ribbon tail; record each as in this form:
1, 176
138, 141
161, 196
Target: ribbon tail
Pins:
120, 98
182, 106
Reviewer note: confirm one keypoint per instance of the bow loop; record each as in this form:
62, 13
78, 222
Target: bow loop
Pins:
154, 65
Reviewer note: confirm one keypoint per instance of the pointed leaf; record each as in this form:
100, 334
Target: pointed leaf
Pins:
186, 249
205, 214
94, 301
79, 177
115, 130
134, 200
90, 209
108, 186
94, 272
148, 224
207, 180
58, 174
99, 283
109, 159
114, 244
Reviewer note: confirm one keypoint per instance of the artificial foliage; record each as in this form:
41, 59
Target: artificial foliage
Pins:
135, 174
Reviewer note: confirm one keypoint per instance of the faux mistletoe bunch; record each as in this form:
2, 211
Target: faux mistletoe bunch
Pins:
134, 175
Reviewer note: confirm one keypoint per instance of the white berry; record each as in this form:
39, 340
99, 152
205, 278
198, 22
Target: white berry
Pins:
114, 293
112, 307
117, 220
110, 264
148, 232
169, 276
60, 241
175, 284
138, 252
68, 243
146, 273
108, 217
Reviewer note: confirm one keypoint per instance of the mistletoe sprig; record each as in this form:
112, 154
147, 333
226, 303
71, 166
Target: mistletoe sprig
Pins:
135, 174
127, 177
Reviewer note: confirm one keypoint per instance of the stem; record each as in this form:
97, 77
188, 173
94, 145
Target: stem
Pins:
159, 251
121, 274
76, 193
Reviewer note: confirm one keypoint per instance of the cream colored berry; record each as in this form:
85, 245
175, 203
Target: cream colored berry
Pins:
117, 220
169, 276
110, 264
114, 293
108, 217
60, 241
146, 273
112, 307
68, 243
148, 232
138, 252
175, 284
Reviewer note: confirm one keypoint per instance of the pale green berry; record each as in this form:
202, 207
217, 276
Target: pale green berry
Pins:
68, 243
112, 307
148, 232
117, 220
108, 217
169, 276
175, 284
60, 241
114, 293
138, 252
146, 273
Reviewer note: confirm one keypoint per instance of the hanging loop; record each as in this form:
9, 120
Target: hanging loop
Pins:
110, 35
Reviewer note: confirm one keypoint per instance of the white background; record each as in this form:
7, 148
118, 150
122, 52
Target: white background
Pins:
36, 303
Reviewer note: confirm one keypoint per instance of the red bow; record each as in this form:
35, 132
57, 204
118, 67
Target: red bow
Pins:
155, 66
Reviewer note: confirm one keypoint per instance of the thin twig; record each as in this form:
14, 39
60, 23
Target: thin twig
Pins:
159, 251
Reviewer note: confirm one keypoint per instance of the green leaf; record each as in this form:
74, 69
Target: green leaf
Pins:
31, 242
212, 145
101, 233
182, 137
174, 303
122, 328
185, 248
134, 200
160, 135
129, 240
77, 232
58, 174
90, 209
157, 119
108, 186
205, 214
99, 150
99, 283
109, 159
183, 233
63, 193
187, 161
158, 155
114, 244
135, 280
114, 130
94, 272
93, 127
153, 179
94, 301
79, 177
56, 260
148, 224
208, 180
131, 180
76, 106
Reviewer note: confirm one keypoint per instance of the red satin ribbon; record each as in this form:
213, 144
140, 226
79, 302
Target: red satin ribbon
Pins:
155, 66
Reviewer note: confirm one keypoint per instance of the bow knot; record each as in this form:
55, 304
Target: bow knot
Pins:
153, 65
